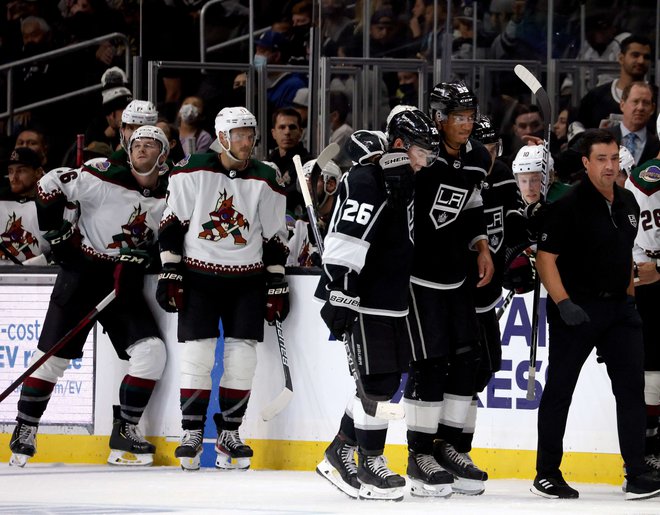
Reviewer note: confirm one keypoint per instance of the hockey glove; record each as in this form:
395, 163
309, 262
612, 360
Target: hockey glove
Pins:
571, 313
65, 245
340, 313
520, 275
130, 269
534, 214
277, 298
398, 176
169, 291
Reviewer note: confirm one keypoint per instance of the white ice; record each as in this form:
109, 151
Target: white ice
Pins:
84, 489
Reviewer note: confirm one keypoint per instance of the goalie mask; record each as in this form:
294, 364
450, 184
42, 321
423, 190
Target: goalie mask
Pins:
231, 118
137, 112
363, 145
448, 97
149, 132
414, 128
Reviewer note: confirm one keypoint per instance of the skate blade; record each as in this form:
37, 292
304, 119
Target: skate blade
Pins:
190, 463
225, 462
420, 489
373, 493
326, 470
468, 486
128, 459
18, 460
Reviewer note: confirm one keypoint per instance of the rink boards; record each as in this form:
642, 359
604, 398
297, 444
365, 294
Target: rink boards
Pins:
505, 441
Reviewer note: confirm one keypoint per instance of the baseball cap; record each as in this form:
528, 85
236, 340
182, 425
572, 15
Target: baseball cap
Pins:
271, 39
301, 99
25, 156
382, 17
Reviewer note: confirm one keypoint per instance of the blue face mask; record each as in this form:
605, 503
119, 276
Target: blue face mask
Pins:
260, 60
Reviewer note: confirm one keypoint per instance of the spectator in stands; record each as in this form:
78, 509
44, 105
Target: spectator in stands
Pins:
340, 130
36, 139
115, 96
387, 38
287, 132
638, 108
527, 121
172, 134
603, 103
426, 41
301, 104
301, 22
194, 139
408, 90
336, 26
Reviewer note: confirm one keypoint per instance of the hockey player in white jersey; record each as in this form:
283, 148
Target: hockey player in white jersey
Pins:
644, 182
223, 242
113, 245
366, 263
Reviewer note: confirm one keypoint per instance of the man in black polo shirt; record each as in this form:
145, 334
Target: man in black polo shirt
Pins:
591, 304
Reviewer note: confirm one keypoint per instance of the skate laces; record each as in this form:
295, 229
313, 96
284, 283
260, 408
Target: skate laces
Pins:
133, 432
652, 461
428, 464
231, 438
192, 438
462, 459
26, 435
378, 465
347, 455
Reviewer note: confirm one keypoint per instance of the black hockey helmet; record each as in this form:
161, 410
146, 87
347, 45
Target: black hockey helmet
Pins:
484, 131
413, 128
363, 145
448, 97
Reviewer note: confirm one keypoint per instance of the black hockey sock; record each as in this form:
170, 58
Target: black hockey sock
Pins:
194, 404
347, 429
134, 394
35, 395
420, 443
233, 404
371, 441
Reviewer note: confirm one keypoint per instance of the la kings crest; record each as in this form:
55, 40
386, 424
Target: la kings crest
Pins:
495, 227
449, 202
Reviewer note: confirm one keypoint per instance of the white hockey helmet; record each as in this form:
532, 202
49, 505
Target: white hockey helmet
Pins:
530, 159
626, 160
140, 112
232, 118
330, 170
157, 134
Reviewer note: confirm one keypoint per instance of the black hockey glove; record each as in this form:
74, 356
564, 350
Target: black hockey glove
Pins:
277, 298
169, 291
340, 313
571, 313
130, 269
520, 275
534, 213
398, 177
65, 245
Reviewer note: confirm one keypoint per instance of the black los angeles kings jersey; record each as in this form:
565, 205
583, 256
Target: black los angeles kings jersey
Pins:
369, 246
449, 216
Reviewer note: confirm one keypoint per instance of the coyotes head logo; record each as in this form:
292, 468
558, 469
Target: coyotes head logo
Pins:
17, 240
225, 221
134, 234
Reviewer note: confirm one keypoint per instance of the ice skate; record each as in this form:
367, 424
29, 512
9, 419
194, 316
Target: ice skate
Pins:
128, 447
377, 481
468, 478
190, 450
339, 467
23, 444
232, 452
427, 478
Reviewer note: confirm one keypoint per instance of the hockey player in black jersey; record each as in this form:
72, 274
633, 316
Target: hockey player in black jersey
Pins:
367, 260
449, 227
111, 247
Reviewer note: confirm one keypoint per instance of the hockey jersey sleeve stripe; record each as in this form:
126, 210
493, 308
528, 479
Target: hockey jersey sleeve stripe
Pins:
343, 250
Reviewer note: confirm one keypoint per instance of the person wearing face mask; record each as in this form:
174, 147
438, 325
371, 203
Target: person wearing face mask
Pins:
193, 138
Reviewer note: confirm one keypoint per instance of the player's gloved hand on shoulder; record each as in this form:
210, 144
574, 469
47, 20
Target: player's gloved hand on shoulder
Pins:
398, 176
277, 298
169, 291
340, 312
65, 245
571, 313
130, 268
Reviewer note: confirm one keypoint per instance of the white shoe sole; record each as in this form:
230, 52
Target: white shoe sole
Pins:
630, 496
421, 489
128, 459
370, 492
326, 470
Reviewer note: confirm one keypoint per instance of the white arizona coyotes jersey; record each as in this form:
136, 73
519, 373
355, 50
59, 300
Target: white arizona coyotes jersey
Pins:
235, 220
115, 211
19, 229
644, 183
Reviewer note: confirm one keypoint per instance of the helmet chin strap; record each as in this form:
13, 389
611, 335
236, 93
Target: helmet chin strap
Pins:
232, 157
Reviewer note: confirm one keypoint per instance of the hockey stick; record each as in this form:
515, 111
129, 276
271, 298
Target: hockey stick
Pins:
505, 304
9, 255
63, 341
544, 104
374, 408
282, 400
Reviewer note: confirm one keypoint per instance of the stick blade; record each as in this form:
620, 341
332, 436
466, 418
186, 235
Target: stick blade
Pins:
276, 406
327, 154
527, 77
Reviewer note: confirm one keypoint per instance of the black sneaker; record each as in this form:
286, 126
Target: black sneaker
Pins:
652, 461
553, 488
644, 486
339, 467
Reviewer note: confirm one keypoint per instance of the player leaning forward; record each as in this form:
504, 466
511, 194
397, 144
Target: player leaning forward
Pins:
223, 240
367, 261
120, 209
